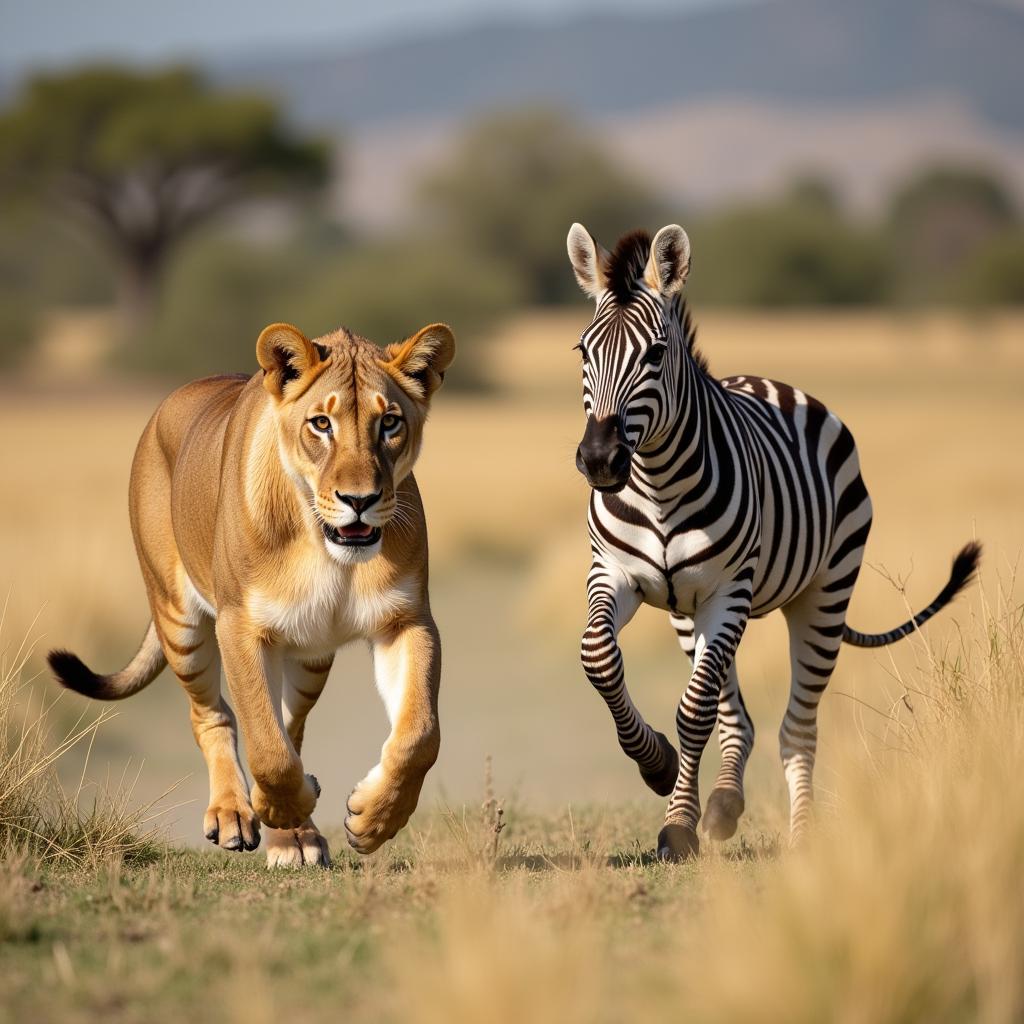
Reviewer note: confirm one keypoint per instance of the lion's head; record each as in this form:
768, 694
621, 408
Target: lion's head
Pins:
350, 421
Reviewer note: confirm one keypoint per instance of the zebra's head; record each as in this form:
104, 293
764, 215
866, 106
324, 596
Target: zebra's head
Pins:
634, 349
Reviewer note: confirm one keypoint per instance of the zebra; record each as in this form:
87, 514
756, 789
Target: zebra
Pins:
716, 501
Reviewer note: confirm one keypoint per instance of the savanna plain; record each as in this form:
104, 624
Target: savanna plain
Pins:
525, 887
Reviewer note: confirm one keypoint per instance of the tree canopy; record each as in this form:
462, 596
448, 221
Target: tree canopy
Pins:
145, 157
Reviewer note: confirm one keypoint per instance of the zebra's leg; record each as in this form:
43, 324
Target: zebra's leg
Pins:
735, 739
815, 620
612, 603
719, 624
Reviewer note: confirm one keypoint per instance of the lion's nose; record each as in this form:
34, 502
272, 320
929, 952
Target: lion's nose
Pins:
359, 503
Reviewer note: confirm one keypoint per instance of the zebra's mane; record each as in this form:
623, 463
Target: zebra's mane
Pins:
626, 266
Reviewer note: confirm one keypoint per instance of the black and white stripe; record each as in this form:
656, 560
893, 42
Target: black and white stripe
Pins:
715, 500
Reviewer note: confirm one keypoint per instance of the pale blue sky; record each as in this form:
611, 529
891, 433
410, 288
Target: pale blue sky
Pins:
46, 32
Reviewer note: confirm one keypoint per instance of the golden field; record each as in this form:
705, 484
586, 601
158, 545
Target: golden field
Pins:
935, 403
905, 906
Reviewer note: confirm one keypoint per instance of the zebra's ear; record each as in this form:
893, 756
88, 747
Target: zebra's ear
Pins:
669, 262
588, 260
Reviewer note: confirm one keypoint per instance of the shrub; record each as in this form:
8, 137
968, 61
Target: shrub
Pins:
224, 291
790, 253
995, 276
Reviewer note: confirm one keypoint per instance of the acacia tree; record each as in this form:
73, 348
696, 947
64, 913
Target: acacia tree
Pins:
143, 158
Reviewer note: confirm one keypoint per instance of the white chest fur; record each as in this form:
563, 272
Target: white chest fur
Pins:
323, 606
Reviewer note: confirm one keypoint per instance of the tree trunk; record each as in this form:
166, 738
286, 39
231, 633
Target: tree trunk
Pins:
139, 292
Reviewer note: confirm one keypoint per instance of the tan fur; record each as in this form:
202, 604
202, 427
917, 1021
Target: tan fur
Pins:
229, 486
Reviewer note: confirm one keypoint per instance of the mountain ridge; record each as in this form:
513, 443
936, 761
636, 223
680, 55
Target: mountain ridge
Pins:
817, 51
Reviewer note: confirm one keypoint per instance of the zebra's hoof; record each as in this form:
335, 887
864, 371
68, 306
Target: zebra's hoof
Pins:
677, 843
663, 780
722, 814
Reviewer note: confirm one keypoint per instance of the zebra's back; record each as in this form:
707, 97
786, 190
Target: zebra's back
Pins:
812, 496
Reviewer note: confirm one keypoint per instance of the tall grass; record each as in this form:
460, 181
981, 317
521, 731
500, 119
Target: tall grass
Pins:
37, 814
908, 903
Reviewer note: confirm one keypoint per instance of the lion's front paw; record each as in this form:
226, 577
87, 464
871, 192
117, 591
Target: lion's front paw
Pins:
230, 823
297, 847
377, 808
286, 808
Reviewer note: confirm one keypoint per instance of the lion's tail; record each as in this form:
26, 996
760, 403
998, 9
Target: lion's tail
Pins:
148, 663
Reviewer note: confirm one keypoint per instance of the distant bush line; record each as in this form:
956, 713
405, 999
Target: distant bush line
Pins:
488, 239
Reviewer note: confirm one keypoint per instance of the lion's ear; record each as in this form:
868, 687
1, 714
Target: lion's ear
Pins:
286, 355
423, 358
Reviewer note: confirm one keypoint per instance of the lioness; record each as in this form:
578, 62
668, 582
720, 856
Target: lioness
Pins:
276, 518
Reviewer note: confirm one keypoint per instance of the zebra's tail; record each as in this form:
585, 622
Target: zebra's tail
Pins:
964, 567
148, 663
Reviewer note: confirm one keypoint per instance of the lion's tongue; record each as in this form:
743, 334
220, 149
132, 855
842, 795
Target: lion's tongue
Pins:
356, 530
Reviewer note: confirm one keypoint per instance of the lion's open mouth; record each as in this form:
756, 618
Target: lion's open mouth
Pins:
355, 535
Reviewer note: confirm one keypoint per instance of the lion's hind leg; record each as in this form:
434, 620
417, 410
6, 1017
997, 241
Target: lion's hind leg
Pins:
191, 649
184, 624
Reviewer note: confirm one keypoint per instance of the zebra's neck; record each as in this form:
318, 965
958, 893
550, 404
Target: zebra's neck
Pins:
685, 455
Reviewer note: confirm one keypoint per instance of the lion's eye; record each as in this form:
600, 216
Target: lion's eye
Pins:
321, 424
390, 423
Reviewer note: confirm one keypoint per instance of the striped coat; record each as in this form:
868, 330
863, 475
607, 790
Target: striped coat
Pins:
716, 501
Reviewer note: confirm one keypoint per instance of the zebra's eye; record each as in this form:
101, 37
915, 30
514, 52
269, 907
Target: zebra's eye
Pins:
321, 424
582, 351
655, 354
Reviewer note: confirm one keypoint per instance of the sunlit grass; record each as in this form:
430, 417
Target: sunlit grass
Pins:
38, 815
904, 906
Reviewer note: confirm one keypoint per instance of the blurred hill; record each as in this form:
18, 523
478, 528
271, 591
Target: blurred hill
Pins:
704, 154
822, 153
739, 96
819, 51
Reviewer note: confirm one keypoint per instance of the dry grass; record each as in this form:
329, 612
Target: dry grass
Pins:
906, 905
38, 816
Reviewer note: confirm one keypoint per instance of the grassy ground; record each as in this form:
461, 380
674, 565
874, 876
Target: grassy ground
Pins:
906, 906
198, 934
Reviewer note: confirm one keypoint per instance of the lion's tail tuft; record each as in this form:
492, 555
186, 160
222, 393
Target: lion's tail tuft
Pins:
148, 663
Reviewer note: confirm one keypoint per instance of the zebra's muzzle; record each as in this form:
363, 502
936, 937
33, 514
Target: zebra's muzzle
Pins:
603, 456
